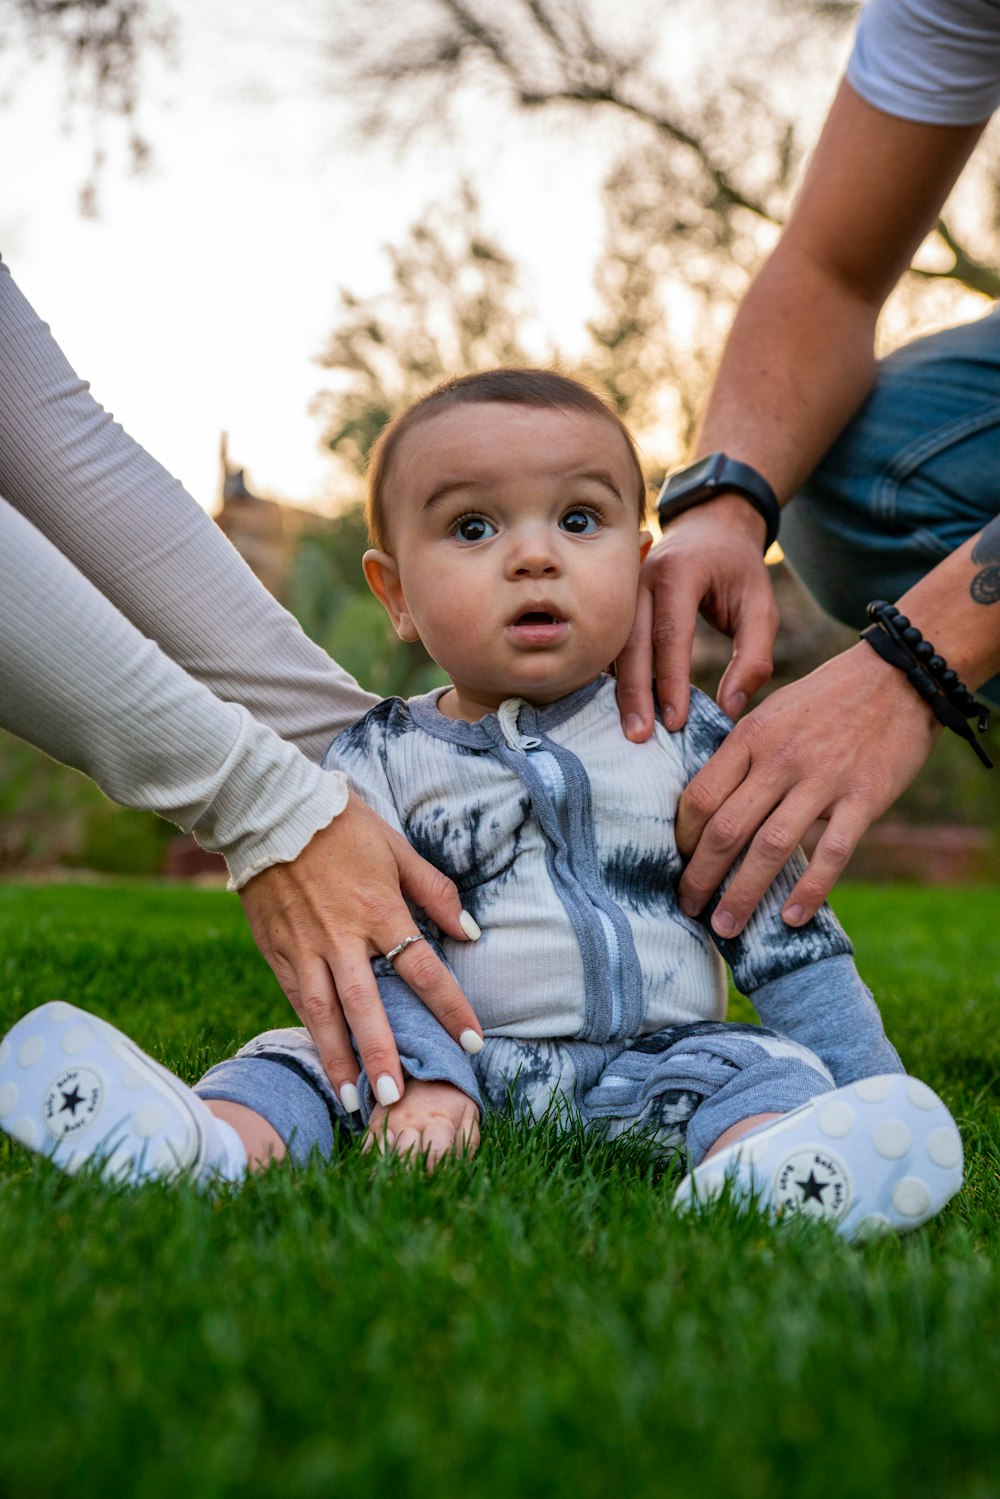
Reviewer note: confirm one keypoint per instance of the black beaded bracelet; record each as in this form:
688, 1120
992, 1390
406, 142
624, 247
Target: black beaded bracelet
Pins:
893, 637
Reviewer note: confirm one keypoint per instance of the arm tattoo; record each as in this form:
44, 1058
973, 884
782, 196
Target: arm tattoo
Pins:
985, 586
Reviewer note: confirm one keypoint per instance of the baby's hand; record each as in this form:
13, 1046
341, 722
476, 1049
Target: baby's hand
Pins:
430, 1120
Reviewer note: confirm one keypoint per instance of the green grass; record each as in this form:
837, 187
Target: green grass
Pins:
535, 1322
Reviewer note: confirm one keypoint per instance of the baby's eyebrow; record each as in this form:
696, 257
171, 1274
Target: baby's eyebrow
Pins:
598, 476
450, 487
572, 476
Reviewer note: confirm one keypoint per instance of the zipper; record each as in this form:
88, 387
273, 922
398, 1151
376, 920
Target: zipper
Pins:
550, 772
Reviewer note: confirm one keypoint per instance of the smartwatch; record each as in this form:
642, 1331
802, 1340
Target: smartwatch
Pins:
715, 475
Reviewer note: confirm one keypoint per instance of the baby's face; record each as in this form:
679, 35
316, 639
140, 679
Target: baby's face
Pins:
516, 550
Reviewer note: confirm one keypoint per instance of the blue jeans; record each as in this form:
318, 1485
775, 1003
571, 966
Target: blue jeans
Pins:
912, 477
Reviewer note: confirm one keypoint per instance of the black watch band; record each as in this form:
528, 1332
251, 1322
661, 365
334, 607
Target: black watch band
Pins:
712, 476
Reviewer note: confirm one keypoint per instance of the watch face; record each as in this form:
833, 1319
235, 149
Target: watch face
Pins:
699, 474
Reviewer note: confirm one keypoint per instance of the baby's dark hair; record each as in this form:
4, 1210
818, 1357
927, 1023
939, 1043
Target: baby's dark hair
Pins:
518, 387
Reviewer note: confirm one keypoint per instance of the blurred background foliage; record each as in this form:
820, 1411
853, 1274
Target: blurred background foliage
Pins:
703, 159
329, 597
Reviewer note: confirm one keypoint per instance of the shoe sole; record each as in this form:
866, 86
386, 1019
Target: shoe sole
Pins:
75, 1089
882, 1155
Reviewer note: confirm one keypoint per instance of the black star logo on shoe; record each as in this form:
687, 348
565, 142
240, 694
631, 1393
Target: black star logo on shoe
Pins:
71, 1101
812, 1190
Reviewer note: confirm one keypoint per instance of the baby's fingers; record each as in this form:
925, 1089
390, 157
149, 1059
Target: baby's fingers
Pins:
378, 1135
425, 1146
467, 1134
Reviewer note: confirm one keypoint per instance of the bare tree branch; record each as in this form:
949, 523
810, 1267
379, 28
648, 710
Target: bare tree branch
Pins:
454, 306
103, 46
964, 267
547, 56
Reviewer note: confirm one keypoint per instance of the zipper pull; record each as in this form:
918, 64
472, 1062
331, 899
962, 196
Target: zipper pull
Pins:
507, 716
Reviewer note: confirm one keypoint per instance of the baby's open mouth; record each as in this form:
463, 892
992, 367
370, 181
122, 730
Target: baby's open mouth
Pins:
537, 617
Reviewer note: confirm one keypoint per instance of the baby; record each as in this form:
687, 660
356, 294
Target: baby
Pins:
505, 511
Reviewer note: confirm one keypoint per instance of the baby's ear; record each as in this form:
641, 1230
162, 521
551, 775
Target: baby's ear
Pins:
382, 576
645, 542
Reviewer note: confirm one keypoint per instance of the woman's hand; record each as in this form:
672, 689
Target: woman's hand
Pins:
840, 745
321, 918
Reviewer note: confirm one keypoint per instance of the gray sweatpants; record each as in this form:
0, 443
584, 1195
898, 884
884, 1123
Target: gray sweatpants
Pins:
683, 1086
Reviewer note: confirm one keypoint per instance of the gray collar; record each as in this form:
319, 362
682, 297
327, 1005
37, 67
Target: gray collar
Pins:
489, 731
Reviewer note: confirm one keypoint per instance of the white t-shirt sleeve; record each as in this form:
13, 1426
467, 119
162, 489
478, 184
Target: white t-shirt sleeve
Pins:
932, 61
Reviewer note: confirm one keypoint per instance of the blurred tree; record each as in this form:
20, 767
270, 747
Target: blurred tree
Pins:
103, 46
52, 815
328, 595
712, 109
454, 305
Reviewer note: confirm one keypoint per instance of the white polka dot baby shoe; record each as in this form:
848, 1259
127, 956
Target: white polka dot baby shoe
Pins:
881, 1155
75, 1089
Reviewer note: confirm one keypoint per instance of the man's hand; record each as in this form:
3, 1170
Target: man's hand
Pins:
708, 560
320, 919
839, 745
433, 1120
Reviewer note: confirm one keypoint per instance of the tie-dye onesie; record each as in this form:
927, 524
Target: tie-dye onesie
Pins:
597, 995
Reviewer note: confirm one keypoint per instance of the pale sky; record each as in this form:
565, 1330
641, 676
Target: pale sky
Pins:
198, 300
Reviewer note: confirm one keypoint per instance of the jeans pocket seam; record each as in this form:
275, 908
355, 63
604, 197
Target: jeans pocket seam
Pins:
906, 463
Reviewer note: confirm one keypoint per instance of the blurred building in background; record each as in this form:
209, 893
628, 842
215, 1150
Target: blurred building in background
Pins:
266, 533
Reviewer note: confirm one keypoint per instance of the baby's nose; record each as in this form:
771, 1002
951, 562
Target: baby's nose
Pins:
533, 556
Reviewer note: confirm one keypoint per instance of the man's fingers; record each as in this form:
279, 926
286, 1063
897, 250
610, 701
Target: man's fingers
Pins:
796, 757
774, 843
675, 614
705, 794
753, 650
840, 838
634, 672
724, 836
318, 1007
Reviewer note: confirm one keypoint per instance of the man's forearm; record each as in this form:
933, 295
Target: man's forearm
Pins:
798, 363
800, 357
957, 607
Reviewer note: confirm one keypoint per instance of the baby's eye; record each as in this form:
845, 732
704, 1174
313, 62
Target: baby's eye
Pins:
473, 528
580, 522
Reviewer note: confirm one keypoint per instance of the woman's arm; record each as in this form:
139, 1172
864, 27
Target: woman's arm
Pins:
78, 680
148, 547
117, 557
320, 874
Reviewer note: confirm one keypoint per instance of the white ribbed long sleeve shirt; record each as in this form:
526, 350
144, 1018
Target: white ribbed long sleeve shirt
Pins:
135, 644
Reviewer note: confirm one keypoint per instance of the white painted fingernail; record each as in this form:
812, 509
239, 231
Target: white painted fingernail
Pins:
470, 926
386, 1091
471, 1041
349, 1097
